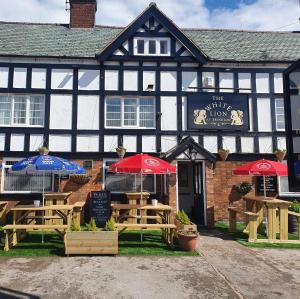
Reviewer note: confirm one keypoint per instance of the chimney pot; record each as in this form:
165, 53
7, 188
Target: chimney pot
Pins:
83, 13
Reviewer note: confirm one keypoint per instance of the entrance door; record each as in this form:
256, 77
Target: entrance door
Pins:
190, 190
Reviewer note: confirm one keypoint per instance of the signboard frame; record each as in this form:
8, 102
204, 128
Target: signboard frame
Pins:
105, 216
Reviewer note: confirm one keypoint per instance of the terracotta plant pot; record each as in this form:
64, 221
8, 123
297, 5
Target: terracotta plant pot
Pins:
223, 154
187, 242
280, 154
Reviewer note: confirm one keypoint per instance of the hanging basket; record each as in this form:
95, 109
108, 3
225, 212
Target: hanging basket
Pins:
121, 151
280, 154
79, 179
43, 150
243, 188
223, 154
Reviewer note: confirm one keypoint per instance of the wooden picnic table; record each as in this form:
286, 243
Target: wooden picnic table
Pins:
26, 216
137, 198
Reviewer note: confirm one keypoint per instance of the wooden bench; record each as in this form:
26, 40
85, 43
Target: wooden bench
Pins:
10, 231
298, 219
253, 223
168, 229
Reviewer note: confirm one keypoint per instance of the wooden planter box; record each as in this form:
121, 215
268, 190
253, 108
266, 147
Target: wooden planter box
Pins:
85, 242
183, 227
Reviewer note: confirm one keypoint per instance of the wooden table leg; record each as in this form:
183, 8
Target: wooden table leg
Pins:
271, 222
15, 239
283, 228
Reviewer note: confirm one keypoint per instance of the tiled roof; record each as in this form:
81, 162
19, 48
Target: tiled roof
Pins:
56, 40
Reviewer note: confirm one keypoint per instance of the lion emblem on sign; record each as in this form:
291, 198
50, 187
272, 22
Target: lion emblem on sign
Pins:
237, 117
200, 117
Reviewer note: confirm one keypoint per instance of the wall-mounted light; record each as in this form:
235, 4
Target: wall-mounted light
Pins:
150, 87
192, 153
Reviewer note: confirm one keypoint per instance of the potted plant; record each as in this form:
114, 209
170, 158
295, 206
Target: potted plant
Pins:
292, 220
91, 239
183, 222
223, 153
280, 154
243, 188
79, 179
43, 150
187, 240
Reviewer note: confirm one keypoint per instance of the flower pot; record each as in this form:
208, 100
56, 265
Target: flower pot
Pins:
186, 227
280, 154
223, 154
121, 151
187, 242
154, 202
36, 203
79, 179
293, 224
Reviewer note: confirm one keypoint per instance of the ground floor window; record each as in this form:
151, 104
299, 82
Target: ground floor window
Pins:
121, 183
21, 183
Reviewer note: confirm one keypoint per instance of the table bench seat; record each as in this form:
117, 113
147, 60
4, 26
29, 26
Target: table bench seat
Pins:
144, 226
33, 226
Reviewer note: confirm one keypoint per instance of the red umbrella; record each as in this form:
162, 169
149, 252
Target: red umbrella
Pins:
262, 168
142, 164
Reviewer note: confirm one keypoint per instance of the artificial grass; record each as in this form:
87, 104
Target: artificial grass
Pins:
129, 245
242, 238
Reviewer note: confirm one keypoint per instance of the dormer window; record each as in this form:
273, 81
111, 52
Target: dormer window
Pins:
152, 46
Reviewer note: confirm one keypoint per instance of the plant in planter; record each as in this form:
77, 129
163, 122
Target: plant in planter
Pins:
243, 188
223, 153
110, 225
292, 220
183, 222
91, 240
79, 179
280, 154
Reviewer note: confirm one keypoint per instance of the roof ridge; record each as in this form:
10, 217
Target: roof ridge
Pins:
237, 30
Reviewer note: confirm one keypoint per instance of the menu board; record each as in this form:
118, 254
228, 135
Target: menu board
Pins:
100, 207
271, 185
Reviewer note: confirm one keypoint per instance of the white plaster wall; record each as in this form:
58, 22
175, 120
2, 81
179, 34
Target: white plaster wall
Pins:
247, 144
88, 112
168, 142
87, 143
148, 79
60, 143
35, 141
110, 143
129, 142
4, 77
244, 82
264, 115
130, 63
168, 81
250, 103
88, 79
262, 83
111, 80
226, 81
278, 83
281, 143
148, 144
17, 142
265, 145
229, 143
20, 76
2, 142
184, 113
168, 106
130, 80
61, 112
38, 79
62, 79
210, 143
189, 79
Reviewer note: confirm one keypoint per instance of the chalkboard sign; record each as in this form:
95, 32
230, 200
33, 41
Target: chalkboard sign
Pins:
271, 185
100, 207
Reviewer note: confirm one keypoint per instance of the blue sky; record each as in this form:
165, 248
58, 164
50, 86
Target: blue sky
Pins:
232, 14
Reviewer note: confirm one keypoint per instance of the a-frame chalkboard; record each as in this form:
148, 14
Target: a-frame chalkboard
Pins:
100, 207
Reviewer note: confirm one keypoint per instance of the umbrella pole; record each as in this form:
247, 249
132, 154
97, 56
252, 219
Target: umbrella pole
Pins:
265, 191
43, 205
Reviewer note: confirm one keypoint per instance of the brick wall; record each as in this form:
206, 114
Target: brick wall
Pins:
82, 15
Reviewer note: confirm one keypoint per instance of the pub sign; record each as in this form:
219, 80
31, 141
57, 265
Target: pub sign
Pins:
218, 111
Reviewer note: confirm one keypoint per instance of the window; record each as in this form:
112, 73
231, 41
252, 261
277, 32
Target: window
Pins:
24, 183
152, 46
22, 110
141, 46
120, 183
279, 110
130, 112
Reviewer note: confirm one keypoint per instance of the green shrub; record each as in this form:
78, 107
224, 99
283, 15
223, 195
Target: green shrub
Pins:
91, 226
110, 225
183, 218
295, 207
75, 226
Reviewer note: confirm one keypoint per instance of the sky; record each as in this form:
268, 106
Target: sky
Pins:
229, 14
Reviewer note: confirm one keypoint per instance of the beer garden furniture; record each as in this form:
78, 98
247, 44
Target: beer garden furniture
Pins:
3, 206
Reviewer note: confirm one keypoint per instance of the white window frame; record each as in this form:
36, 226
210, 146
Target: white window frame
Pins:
27, 124
146, 46
137, 126
119, 192
4, 166
277, 129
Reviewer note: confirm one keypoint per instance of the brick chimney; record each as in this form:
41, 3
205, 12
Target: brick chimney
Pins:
83, 13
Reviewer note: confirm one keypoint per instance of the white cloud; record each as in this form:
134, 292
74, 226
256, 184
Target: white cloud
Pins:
261, 15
